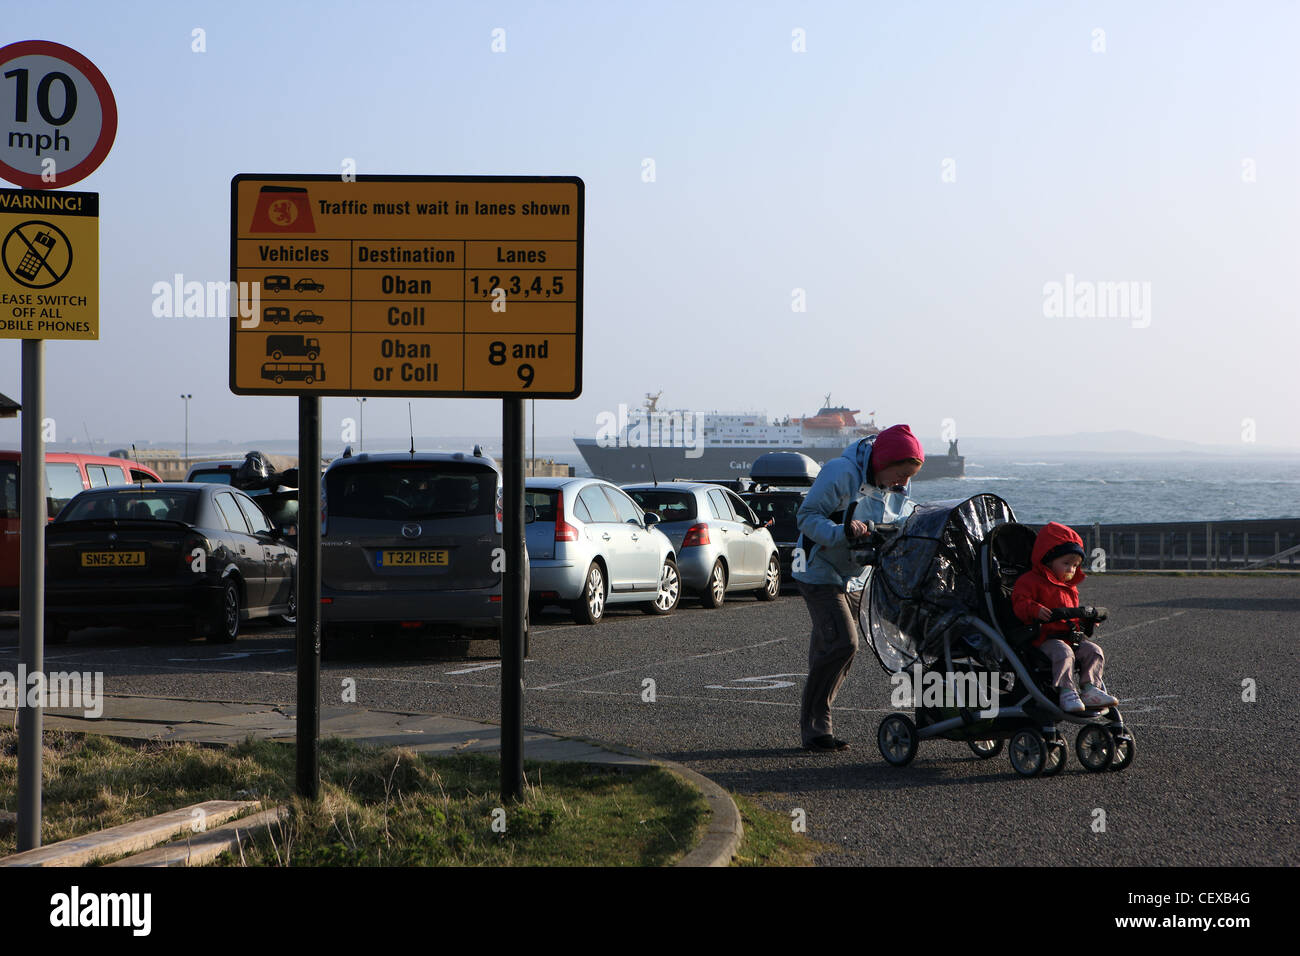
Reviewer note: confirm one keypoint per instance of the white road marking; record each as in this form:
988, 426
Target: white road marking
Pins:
230, 655
753, 683
1133, 627
471, 670
642, 667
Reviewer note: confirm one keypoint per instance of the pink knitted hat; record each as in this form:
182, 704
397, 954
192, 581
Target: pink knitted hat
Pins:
894, 444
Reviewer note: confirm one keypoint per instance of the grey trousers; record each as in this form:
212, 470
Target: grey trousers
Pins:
1088, 656
831, 647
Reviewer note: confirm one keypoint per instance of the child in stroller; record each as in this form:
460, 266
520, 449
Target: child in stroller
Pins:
1044, 593
944, 575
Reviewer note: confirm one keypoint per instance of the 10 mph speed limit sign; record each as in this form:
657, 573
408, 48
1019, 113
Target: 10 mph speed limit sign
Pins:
57, 115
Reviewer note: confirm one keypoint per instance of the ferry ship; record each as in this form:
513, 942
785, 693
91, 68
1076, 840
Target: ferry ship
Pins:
650, 443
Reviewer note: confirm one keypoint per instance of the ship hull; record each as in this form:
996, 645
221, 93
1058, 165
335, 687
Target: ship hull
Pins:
624, 464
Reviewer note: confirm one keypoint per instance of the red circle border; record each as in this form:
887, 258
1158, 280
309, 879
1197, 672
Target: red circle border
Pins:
107, 105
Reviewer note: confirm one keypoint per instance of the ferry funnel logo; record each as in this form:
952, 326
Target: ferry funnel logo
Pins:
283, 209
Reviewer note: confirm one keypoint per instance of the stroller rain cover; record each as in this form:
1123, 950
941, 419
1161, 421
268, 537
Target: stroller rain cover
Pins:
927, 578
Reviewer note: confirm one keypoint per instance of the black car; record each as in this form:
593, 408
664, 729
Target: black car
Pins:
779, 505
169, 551
781, 481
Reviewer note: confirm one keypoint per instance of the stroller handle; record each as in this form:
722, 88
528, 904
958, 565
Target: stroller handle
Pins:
1085, 612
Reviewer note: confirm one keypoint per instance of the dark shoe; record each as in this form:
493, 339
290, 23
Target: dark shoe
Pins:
826, 743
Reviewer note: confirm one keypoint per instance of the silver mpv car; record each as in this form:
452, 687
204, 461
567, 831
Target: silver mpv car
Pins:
721, 545
409, 543
591, 546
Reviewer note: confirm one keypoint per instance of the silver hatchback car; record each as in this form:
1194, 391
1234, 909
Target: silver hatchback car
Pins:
721, 545
590, 546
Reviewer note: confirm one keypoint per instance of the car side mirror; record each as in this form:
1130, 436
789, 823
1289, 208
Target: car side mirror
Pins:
651, 519
530, 514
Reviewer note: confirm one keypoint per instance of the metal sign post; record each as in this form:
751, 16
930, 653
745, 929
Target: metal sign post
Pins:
307, 591
514, 599
31, 594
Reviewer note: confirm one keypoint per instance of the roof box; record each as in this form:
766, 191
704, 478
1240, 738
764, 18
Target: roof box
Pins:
785, 468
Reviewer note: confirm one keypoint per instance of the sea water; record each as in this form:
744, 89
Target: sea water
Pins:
1118, 490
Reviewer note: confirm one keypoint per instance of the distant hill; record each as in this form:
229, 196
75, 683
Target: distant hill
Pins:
1109, 443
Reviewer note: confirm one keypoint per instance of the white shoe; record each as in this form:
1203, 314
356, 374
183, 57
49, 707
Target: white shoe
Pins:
1094, 697
1070, 702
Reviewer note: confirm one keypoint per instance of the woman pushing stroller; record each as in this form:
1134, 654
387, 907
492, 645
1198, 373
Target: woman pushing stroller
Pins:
879, 468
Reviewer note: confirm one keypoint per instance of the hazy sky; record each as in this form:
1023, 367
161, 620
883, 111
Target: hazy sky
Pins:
923, 172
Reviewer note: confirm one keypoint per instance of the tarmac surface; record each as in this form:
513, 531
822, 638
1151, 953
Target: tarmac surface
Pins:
1205, 667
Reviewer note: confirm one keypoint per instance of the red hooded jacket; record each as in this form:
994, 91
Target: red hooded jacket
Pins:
1039, 588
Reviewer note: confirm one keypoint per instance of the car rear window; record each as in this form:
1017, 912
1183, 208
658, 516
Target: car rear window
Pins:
133, 504
63, 479
8, 489
215, 477
543, 501
782, 508
668, 505
402, 491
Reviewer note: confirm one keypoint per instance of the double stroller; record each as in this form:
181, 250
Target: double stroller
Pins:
936, 610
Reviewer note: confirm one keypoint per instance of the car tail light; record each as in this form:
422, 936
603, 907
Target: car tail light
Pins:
696, 535
500, 513
192, 543
494, 599
412, 625
327, 600
563, 531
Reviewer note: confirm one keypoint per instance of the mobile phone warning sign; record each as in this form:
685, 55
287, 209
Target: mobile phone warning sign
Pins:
49, 250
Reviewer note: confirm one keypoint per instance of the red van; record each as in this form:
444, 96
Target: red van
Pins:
66, 475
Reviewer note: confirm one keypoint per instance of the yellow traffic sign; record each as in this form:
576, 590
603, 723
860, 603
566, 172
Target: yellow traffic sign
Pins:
49, 247
466, 286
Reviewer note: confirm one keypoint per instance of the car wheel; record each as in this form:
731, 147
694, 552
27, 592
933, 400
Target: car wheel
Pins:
290, 618
670, 590
309, 379
225, 626
590, 606
772, 582
279, 380
311, 356
716, 592
277, 355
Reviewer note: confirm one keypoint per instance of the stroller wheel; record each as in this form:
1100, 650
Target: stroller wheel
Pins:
1124, 747
1095, 748
1056, 751
984, 749
1028, 752
897, 739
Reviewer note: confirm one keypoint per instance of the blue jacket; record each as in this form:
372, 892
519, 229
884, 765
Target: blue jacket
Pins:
843, 483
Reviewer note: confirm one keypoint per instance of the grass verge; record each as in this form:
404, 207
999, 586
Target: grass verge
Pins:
770, 840
377, 807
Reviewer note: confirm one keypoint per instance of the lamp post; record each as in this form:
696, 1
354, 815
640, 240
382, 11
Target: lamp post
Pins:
187, 430
361, 431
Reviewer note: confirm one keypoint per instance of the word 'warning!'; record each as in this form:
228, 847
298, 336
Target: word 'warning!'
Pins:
422, 285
